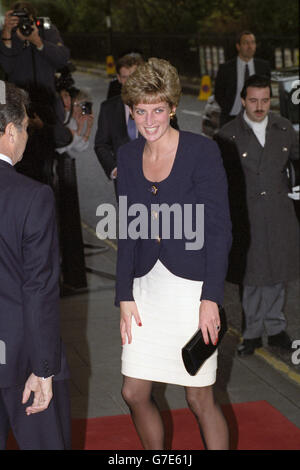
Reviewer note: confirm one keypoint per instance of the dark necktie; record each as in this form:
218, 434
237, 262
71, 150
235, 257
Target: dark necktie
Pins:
247, 74
131, 128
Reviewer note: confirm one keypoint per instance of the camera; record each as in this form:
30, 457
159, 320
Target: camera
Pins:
26, 23
86, 107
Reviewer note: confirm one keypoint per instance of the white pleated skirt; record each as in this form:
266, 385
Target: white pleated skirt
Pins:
169, 309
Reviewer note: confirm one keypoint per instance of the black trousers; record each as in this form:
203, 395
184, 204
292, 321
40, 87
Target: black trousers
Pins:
263, 309
47, 430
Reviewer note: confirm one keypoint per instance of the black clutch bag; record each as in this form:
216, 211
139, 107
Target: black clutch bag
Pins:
195, 352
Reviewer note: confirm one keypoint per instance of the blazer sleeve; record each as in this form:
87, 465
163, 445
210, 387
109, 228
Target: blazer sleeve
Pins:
211, 188
103, 142
9, 55
40, 251
126, 246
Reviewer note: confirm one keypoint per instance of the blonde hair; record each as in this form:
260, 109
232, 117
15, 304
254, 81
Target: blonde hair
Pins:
154, 81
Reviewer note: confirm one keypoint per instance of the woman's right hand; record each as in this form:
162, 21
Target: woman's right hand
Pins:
128, 309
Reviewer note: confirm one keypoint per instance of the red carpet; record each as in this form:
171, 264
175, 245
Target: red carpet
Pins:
253, 426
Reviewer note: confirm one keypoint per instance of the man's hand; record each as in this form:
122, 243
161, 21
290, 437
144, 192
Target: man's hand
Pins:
36, 122
42, 389
10, 22
113, 174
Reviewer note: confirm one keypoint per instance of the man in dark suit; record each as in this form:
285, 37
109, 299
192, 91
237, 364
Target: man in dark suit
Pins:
32, 360
115, 126
232, 75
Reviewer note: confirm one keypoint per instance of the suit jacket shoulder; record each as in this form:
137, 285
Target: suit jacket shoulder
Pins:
229, 64
114, 102
262, 67
279, 120
228, 129
20, 185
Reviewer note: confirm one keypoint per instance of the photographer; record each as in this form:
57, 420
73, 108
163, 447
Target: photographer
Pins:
78, 118
29, 56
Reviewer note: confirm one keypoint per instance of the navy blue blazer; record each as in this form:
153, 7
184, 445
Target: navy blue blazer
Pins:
197, 177
29, 274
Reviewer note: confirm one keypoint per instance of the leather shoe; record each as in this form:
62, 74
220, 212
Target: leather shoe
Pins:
281, 340
248, 346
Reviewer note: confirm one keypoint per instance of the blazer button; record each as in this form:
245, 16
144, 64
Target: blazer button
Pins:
263, 193
245, 154
154, 189
284, 149
158, 239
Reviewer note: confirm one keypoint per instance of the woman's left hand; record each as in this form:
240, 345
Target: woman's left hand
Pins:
209, 320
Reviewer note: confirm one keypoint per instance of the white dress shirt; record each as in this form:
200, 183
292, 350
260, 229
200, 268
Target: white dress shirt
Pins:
6, 159
259, 128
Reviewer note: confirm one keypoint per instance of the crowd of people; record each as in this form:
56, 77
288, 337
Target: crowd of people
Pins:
251, 233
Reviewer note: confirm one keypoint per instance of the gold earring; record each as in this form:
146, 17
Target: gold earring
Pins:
172, 114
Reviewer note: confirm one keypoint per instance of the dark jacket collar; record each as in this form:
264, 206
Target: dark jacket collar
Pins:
4, 164
272, 121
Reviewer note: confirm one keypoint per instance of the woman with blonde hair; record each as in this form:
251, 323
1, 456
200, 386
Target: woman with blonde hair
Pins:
167, 287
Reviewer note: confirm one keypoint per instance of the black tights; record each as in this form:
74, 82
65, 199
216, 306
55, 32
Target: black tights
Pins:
137, 394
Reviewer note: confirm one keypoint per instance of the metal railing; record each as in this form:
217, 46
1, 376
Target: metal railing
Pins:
192, 54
